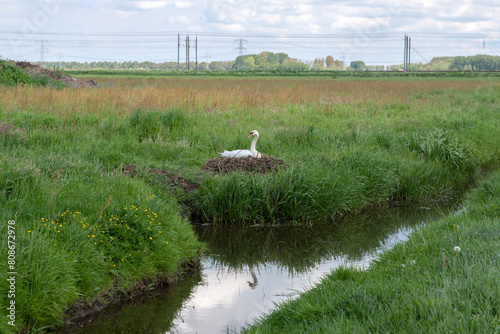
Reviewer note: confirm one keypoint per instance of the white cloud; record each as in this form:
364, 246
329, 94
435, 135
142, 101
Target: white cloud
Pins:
150, 4
179, 19
182, 4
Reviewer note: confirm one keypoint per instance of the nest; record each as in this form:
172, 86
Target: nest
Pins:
264, 165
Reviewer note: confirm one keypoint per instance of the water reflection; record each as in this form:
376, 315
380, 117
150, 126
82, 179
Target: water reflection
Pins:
298, 248
247, 269
153, 312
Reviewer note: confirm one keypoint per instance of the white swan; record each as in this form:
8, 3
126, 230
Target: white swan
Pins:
245, 153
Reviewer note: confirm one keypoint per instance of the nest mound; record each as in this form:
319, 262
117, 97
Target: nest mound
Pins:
222, 165
177, 179
37, 69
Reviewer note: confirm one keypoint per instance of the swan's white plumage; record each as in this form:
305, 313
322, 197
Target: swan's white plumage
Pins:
245, 153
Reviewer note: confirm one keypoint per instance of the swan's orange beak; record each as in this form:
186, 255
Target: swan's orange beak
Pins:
250, 135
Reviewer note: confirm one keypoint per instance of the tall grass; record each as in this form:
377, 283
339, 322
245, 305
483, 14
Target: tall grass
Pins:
209, 94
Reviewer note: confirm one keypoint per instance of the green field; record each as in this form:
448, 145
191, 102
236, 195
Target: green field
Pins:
85, 229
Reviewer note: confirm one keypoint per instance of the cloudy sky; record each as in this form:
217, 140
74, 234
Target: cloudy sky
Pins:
371, 30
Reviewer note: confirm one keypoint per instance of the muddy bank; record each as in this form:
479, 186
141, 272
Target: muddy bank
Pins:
86, 310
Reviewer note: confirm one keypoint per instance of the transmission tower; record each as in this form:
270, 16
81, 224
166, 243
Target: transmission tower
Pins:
241, 49
42, 49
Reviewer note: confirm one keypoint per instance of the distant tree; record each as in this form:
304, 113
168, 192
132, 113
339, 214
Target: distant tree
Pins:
215, 65
273, 59
203, 66
358, 65
330, 62
292, 64
248, 64
458, 63
318, 64
282, 57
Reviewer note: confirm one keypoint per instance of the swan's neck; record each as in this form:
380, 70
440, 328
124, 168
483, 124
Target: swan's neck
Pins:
252, 147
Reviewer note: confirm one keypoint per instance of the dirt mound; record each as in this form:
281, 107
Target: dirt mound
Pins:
179, 180
56, 75
266, 164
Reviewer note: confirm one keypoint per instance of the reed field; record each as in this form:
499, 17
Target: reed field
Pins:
86, 230
121, 97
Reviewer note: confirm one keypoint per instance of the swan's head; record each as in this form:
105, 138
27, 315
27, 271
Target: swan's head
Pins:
254, 133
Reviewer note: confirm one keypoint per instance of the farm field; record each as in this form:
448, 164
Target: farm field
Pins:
103, 182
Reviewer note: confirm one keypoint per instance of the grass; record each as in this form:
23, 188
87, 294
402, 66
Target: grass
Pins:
446, 278
86, 230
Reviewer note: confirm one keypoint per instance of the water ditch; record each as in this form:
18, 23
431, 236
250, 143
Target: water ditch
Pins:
247, 269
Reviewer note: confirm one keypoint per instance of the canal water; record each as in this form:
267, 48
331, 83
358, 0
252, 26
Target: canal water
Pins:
248, 269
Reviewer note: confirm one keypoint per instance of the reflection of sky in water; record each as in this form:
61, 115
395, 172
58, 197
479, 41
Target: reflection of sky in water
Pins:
226, 301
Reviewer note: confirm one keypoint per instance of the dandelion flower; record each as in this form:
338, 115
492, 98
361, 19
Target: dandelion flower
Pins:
402, 265
412, 262
457, 249
29, 231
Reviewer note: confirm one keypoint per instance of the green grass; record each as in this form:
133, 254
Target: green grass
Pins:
425, 285
84, 229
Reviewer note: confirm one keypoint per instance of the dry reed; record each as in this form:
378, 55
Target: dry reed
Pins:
207, 94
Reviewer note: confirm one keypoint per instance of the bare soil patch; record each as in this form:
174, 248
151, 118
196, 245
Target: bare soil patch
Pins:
177, 179
56, 75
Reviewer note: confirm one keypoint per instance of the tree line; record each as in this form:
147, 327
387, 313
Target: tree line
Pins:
262, 61
476, 63
281, 61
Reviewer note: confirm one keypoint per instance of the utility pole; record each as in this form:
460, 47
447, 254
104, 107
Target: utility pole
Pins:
178, 48
196, 51
187, 52
404, 57
409, 53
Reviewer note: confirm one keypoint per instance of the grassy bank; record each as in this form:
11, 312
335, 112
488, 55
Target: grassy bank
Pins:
446, 278
85, 228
